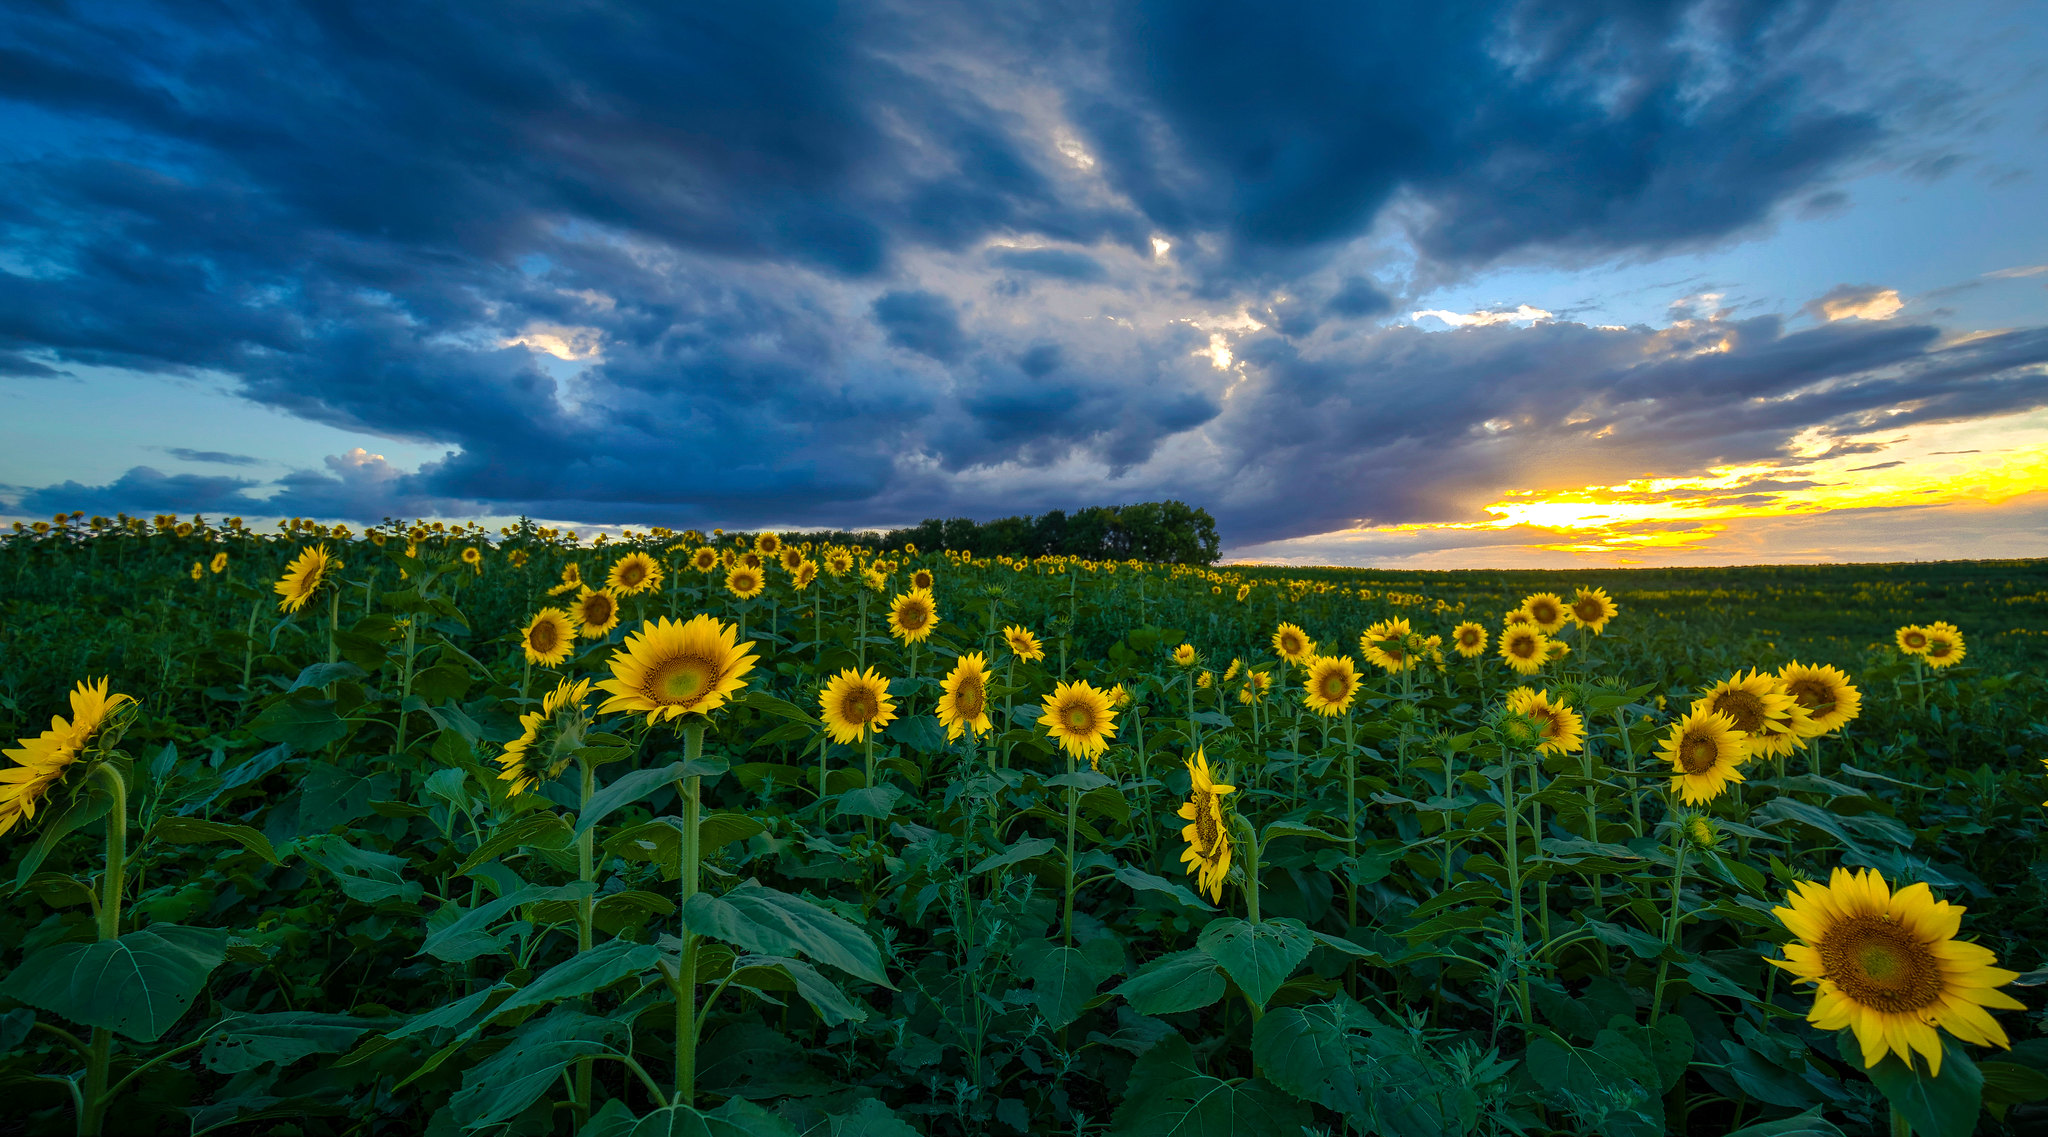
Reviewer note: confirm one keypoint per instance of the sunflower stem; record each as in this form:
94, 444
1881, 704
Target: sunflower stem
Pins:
113, 883
686, 978
1072, 806
586, 914
1671, 924
1517, 938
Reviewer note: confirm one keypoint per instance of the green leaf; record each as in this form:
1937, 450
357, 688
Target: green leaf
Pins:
630, 788
775, 923
370, 877
501, 1087
583, 973
1611, 1086
2012, 1083
241, 1043
88, 807
1314, 1053
721, 829
1106, 801
921, 733
1260, 956
321, 674
1063, 979
59, 891
1169, 1096
193, 831
541, 829
763, 701
878, 802
1808, 1124
872, 1119
1290, 829
1184, 981
736, 1118
468, 936
1946, 1106
1016, 854
1143, 881
136, 985
781, 973
302, 721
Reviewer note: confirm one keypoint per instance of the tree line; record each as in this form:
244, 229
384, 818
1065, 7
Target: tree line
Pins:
1168, 532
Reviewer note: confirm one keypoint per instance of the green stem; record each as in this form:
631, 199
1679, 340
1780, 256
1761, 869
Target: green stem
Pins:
1671, 927
1073, 805
1516, 940
686, 979
112, 887
586, 915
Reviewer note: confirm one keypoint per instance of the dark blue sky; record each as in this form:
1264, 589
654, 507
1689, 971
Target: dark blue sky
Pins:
1313, 266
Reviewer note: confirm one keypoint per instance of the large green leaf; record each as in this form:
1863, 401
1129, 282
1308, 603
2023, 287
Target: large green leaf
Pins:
245, 1042
872, 1119
1314, 1053
136, 985
781, 973
629, 788
501, 1087
1808, 1124
1259, 956
541, 829
194, 831
775, 923
1183, 981
469, 935
1063, 979
1946, 1106
583, 973
301, 720
364, 874
736, 1118
1140, 880
1170, 1096
1609, 1087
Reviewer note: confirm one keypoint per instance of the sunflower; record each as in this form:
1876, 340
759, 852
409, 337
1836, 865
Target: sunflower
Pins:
670, 668
921, 578
1592, 608
525, 762
1292, 644
41, 762
963, 699
597, 613
1760, 707
705, 559
198, 572
220, 563
856, 702
1184, 655
474, 558
1385, 646
839, 562
1244, 592
572, 580
1208, 836
548, 637
792, 558
1205, 680
634, 573
1564, 732
1256, 684
745, 583
1469, 639
1944, 645
804, 573
1887, 965
768, 544
876, 578
1236, 665
1912, 639
1516, 616
1830, 701
1331, 684
303, 577
1079, 716
912, 615
1546, 610
1119, 697
1704, 749
1525, 647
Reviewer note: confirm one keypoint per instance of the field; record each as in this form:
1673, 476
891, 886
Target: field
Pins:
370, 849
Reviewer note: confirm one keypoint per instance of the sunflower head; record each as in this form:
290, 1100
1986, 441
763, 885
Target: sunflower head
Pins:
220, 563
1830, 700
548, 637
1330, 684
634, 573
548, 737
792, 558
913, 615
1705, 750
1944, 645
672, 668
839, 562
596, 612
804, 574
1524, 647
1207, 831
744, 582
304, 577
1385, 646
704, 559
1469, 639
1701, 832
768, 544
1761, 707
1886, 965
921, 579
1292, 644
1080, 718
198, 571
854, 703
98, 719
1592, 608
963, 698
1912, 639
1561, 731
1184, 655
1546, 610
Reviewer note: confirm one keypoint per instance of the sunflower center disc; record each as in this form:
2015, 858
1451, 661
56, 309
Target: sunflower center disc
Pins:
1079, 718
1746, 709
860, 706
1878, 964
968, 699
683, 679
1205, 822
1697, 755
1586, 610
543, 639
1812, 695
1332, 687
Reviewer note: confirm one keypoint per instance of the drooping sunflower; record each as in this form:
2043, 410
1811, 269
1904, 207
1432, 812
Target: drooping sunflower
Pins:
1912, 639
474, 558
1826, 693
572, 580
1705, 749
855, 702
597, 613
1184, 655
303, 577
1207, 834
768, 544
1761, 708
1469, 639
527, 760
548, 637
220, 563
921, 578
1236, 665
1119, 697
1524, 647
1256, 684
704, 559
804, 574
41, 762
913, 615
671, 668
963, 699
1546, 610
1886, 965
1592, 608
1385, 646
1292, 644
745, 583
1330, 685
1080, 718
1564, 732
634, 573
792, 558
1944, 645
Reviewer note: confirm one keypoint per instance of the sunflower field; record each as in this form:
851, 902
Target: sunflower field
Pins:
428, 829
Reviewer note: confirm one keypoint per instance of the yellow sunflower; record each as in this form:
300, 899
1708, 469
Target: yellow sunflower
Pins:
1207, 834
704, 559
220, 563
912, 615
670, 668
474, 558
1385, 646
1184, 655
1887, 965
1079, 717
1330, 685
750, 560
855, 702
1826, 693
1546, 610
1205, 680
1524, 647
921, 578
1912, 639
1592, 608
839, 562
572, 580
1292, 644
1256, 684
634, 573
548, 637
1760, 707
41, 762
198, 571
303, 577
1564, 732
792, 558
1944, 645
804, 574
745, 583
1705, 750
876, 578
768, 544
1469, 639
1023, 644
963, 699
597, 613
526, 762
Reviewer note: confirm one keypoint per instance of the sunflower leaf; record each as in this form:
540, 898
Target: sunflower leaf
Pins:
1259, 957
630, 788
137, 985
1169, 1095
1944, 1106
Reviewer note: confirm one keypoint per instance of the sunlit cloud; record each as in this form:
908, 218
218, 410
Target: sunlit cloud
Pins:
1520, 314
1857, 302
2014, 273
566, 343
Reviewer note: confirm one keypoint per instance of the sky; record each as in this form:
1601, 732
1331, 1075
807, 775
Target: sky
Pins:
1442, 286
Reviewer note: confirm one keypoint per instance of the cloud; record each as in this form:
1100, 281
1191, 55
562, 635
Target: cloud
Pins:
2018, 272
1520, 313
1856, 301
215, 457
1063, 264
